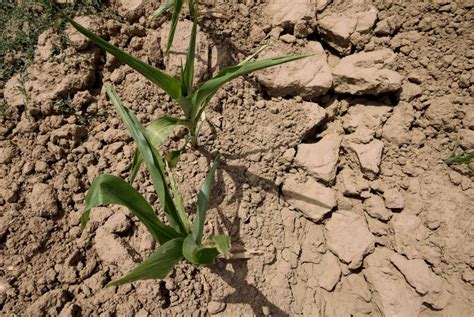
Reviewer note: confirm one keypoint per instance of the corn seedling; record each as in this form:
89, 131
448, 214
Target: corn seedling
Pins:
454, 158
193, 99
180, 239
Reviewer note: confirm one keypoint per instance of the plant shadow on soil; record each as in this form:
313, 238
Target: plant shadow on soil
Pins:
244, 292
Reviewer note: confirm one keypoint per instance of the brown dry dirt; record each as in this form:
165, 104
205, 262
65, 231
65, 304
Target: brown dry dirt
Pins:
332, 166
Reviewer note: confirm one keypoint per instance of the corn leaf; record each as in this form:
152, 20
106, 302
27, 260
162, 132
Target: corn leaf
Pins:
203, 203
169, 84
189, 247
167, 5
187, 78
108, 189
156, 266
199, 254
157, 132
222, 244
152, 159
209, 88
178, 5
178, 199
206, 255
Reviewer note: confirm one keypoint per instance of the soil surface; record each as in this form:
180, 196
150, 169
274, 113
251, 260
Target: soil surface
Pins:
331, 166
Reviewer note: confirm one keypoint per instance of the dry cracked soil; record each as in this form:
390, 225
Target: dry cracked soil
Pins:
331, 166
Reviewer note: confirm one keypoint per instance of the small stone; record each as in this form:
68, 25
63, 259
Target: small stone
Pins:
328, 271
214, 307
410, 91
117, 223
352, 182
43, 199
363, 73
309, 77
309, 197
394, 199
349, 238
369, 156
397, 128
467, 139
338, 30
375, 207
320, 159
394, 297
288, 38
315, 116
371, 117
419, 276
283, 12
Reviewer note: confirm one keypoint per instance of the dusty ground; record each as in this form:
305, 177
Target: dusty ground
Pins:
332, 166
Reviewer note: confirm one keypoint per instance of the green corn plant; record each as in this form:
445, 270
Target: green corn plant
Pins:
181, 238
193, 99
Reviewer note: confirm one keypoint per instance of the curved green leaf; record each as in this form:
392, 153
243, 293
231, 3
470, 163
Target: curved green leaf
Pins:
203, 203
187, 77
152, 159
171, 85
157, 132
108, 189
209, 88
178, 199
206, 255
189, 247
157, 266
199, 254
222, 242
165, 6
178, 5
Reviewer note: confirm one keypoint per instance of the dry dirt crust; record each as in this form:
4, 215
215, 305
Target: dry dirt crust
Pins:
332, 165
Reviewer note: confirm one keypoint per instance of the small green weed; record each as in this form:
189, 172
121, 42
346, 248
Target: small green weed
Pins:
181, 239
454, 158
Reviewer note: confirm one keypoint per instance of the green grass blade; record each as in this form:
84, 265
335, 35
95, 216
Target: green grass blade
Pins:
108, 189
178, 199
187, 78
162, 9
460, 159
178, 5
152, 159
222, 244
156, 266
169, 84
209, 88
203, 203
157, 132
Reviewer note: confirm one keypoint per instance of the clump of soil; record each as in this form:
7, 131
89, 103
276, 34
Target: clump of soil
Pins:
331, 168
